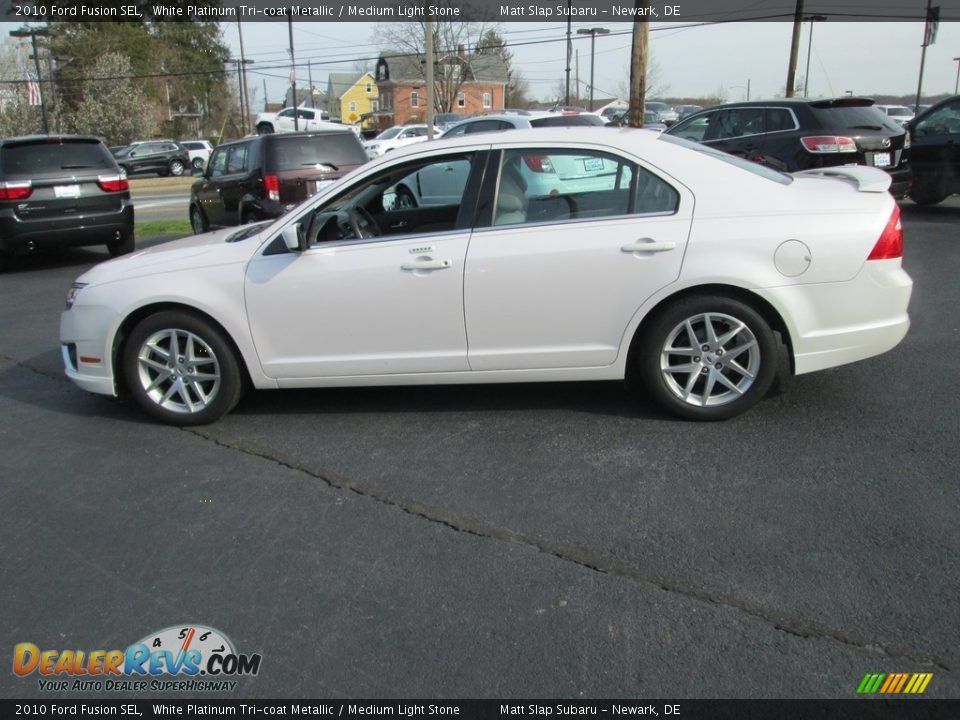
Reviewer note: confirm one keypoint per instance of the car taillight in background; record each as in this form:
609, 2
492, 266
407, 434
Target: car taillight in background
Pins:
16, 190
271, 184
890, 243
538, 163
829, 144
113, 183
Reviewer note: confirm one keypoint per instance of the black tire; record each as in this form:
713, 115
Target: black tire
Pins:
927, 192
198, 221
248, 216
198, 164
405, 198
176, 168
213, 356
126, 169
264, 129
751, 349
123, 246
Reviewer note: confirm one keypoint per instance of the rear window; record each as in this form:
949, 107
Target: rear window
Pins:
45, 158
863, 117
747, 165
567, 121
193, 146
294, 153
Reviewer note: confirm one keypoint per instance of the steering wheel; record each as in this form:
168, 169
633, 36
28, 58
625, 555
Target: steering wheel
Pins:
362, 223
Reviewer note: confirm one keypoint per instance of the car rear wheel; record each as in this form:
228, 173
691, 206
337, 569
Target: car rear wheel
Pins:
176, 167
123, 246
181, 370
707, 358
198, 163
927, 192
264, 129
198, 222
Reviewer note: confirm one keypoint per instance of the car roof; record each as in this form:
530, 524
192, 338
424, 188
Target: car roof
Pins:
51, 138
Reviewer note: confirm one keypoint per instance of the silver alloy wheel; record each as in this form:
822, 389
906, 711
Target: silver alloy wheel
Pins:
176, 168
710, 359
178, 371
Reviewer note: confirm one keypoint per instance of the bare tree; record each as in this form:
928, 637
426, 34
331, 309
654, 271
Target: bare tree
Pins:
451, 42
655, 86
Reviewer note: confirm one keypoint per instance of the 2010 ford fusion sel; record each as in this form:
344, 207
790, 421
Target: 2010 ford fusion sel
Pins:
532, 255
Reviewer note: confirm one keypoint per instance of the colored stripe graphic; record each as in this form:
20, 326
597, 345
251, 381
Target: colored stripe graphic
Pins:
894, 683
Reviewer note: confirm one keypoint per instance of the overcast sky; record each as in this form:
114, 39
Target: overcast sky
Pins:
865, 58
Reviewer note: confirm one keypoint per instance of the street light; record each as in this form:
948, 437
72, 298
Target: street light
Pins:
743, 87
592, 32
806, 76
32, 34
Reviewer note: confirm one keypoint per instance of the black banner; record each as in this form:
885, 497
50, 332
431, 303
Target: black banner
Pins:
865, 709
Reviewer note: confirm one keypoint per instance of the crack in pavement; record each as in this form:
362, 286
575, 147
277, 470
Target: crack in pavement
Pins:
783, 622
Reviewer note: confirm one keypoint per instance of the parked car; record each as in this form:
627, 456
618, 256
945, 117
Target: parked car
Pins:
935, 153
163, 157
620, 280
307, 119
900, 114
199, 151
801, 134
524, 119
687, 110
666, 114
443, 121
62, 191
263, 176
651, 121
396, 137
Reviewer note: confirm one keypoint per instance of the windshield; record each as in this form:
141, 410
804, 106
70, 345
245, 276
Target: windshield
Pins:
747, 165
387, 134
899, 111
24, 159
567, 120
295, 153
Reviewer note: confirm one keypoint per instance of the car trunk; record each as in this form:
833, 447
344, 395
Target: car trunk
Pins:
306, 163
880, 141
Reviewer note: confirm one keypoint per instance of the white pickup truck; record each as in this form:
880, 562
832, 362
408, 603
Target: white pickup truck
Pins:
307, 119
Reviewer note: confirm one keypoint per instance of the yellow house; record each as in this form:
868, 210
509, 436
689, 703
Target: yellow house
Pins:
350, 97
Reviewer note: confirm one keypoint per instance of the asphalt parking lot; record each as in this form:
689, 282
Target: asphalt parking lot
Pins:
513, 541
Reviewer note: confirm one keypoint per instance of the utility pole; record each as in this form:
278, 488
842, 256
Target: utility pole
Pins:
929, 35
245, 113
806, 75
32, 34
794, 49
431, 90
956, 85
264, 94
569, 50
638, 67
293, 72
310, 82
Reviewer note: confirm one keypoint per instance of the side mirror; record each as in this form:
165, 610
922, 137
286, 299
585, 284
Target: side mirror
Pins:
294, 238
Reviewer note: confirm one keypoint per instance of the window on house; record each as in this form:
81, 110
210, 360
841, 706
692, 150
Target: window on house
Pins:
353, 106
487, 100
461, 100
369, 87
414, 99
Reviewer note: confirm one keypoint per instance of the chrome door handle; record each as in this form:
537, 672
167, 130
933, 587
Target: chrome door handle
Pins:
427, 265
648, 245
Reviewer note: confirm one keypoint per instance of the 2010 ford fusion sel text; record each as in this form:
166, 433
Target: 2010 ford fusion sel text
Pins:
531, 255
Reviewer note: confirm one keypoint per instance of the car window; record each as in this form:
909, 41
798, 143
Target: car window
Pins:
30, 158
944, 120
694, 129
582, 120
555, 185
295, 153
733, 123
288, 113
779, 119
487, 126
389, 202
306, 114
752, 167
456, 131
192, 146
218, 163
237, 158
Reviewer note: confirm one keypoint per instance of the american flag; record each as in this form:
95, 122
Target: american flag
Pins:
33, 92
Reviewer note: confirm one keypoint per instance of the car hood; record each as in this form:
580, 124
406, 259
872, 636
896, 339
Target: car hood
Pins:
212, 248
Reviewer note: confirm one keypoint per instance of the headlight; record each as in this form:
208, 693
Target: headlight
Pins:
73, 292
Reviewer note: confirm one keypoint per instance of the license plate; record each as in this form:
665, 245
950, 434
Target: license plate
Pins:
593, 164
66, 191
881, 159
321, 184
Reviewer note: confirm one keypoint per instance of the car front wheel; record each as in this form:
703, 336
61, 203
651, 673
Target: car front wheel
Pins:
264, 129
707, 358
176, 167
181, 370
198, 222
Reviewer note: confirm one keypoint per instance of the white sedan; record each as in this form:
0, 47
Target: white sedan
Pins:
691, 272
397, 137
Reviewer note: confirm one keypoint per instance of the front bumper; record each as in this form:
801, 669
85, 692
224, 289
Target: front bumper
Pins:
86, 347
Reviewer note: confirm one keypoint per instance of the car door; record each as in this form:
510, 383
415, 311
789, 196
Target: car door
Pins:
383, 305
554, 280
233, 184
284, 121
207, 191
935, 148
738, 131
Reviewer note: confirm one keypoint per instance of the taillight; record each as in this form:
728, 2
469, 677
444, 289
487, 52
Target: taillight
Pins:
890, 243
271, 184
538, 163
906, 141
113, 183
16, 190
829, 144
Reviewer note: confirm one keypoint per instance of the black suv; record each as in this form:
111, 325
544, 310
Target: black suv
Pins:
163, 157
62, 191
264, 176
935, 155
800, 134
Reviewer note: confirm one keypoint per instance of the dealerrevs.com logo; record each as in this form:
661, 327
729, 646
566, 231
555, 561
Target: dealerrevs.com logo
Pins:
186, 658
